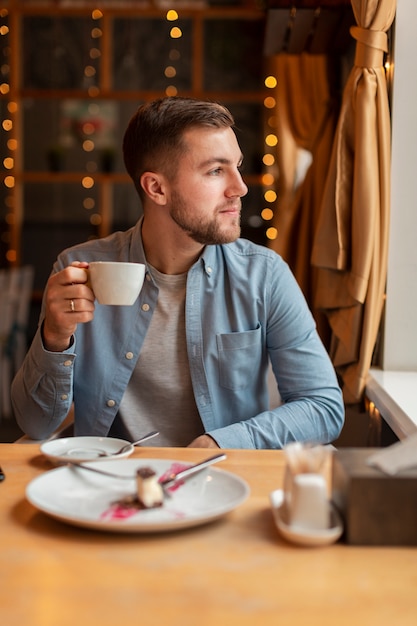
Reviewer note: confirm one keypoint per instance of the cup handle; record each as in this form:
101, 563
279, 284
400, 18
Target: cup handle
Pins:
88, 281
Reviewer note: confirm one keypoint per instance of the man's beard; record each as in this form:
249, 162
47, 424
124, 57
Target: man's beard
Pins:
208, 232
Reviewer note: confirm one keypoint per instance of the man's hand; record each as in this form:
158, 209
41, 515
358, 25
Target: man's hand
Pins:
203, 441
69, 301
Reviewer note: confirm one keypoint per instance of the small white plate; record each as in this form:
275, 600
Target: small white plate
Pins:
301, 537
78, 449
86, 499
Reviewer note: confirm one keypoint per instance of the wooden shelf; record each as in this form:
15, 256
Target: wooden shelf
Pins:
37, 185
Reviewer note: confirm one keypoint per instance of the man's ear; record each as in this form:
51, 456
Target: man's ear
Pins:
154, 185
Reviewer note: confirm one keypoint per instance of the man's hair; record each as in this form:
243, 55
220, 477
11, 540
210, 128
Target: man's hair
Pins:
153, 140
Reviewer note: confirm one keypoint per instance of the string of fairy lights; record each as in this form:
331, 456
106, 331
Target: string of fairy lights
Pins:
8, 126
269, 178
90, 80
89, 129
174, 54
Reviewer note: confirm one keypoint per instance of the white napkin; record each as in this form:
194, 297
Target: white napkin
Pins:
304, 458
400, 456
305, 486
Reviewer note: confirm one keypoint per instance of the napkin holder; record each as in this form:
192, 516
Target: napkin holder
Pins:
377, 508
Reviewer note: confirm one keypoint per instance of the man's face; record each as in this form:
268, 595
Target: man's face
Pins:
206, 190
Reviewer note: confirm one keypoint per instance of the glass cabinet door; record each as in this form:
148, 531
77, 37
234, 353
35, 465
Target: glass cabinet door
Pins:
81, 74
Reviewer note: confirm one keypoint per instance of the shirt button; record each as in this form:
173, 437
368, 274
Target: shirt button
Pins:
111, 403
209, 270
68, 363
64, 396
129, 355
145, 307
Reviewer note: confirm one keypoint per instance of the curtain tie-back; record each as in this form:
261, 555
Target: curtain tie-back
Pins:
370, 47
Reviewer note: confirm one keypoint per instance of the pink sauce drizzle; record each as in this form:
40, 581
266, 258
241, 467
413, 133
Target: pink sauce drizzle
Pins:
174, 469
121, 510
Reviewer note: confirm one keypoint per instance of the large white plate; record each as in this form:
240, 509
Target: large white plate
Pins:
86, 499
77, 449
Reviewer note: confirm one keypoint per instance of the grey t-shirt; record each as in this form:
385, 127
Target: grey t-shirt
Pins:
160, 395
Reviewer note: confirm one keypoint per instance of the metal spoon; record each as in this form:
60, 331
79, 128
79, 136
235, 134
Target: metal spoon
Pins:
126, 446
168, 481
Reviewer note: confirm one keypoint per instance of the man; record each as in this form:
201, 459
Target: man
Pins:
190, 358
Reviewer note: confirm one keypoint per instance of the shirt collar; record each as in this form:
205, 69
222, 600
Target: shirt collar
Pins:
208, 258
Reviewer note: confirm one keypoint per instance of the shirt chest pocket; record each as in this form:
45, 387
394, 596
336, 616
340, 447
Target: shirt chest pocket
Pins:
239, 357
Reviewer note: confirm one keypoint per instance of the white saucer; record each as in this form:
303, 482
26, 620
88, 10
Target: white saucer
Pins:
78, 449
301, 537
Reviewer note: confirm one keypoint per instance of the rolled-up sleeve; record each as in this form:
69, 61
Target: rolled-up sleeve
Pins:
42, 389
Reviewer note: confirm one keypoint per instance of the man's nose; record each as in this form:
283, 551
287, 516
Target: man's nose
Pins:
238, 186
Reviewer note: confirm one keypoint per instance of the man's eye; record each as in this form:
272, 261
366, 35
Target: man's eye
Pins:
215, 172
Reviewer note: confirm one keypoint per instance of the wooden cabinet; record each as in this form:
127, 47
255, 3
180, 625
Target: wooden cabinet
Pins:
71, 77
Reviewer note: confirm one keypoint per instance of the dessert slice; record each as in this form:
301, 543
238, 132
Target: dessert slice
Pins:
149, 491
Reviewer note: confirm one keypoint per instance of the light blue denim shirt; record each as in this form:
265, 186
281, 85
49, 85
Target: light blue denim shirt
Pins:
243, 305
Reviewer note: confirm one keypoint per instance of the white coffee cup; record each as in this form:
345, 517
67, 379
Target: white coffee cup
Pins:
116, 282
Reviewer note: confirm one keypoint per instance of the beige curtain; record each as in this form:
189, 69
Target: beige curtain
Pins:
351, 237
305, 121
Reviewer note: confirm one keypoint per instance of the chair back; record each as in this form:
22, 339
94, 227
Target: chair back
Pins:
15, 296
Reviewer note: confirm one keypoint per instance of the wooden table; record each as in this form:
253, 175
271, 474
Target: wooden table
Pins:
234, 571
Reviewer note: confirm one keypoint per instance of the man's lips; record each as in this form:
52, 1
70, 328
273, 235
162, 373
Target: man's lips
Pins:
231, 210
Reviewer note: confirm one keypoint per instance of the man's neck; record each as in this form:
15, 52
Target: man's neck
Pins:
168, 248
